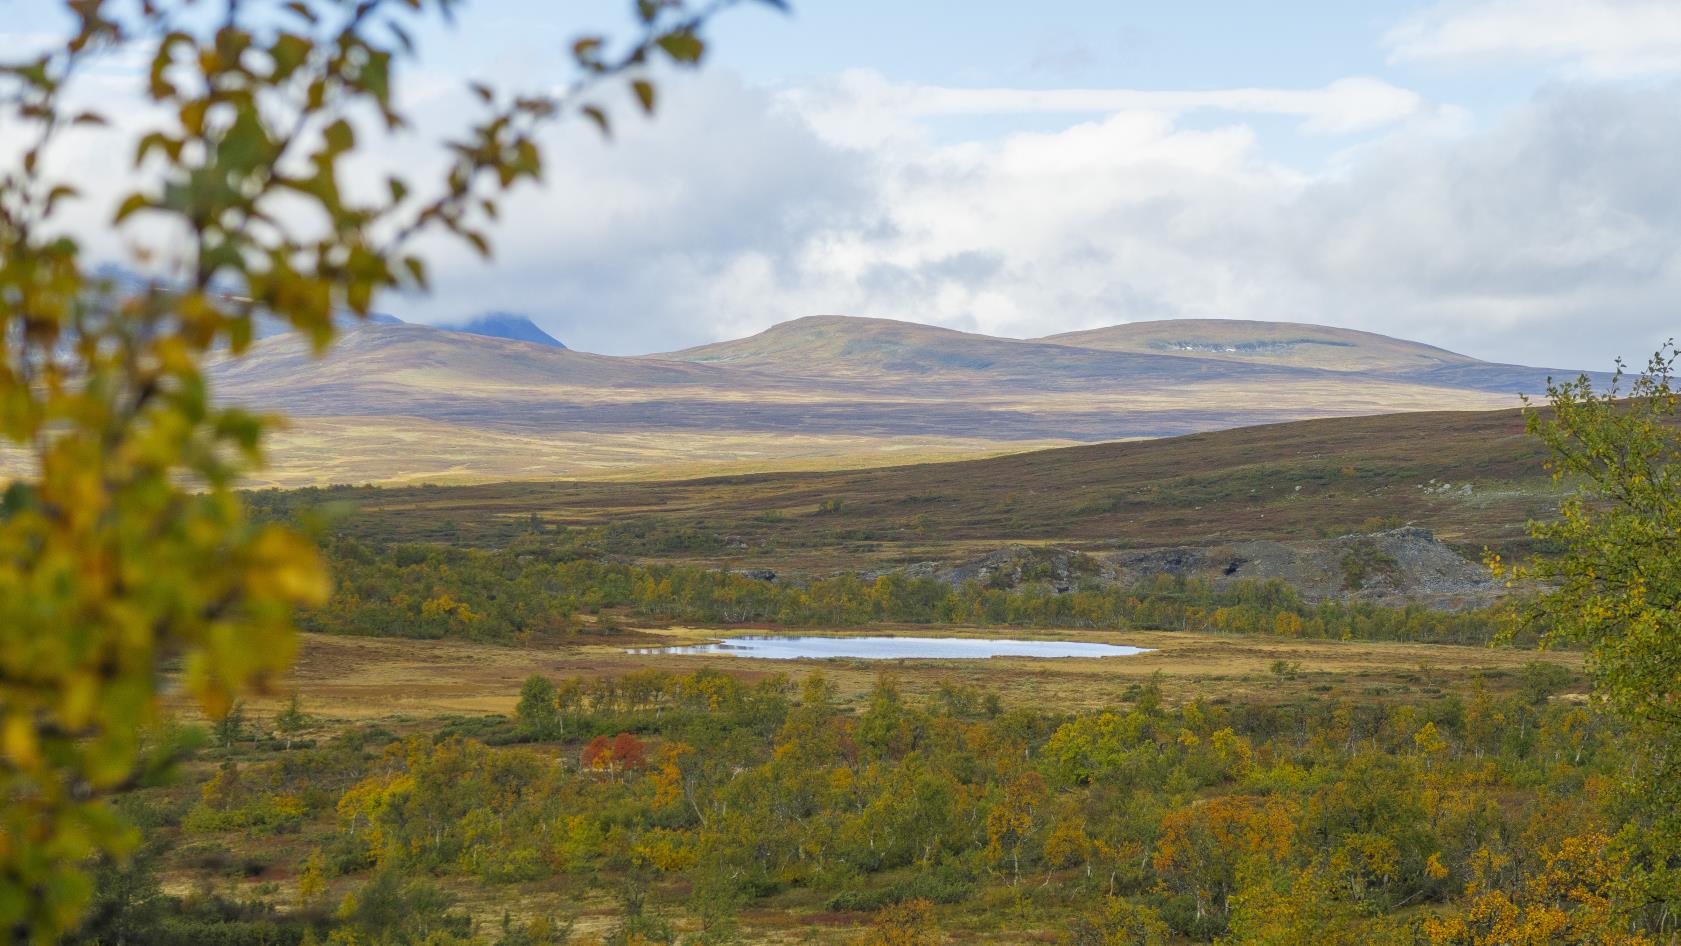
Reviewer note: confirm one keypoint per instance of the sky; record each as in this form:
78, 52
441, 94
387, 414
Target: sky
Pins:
1492, 176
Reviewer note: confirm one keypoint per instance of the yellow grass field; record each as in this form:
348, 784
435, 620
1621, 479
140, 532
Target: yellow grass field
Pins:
410, 450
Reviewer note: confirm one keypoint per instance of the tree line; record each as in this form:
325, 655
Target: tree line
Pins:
435, 591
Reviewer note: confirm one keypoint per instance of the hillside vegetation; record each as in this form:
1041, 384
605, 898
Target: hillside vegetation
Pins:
1472, 477
532, 591
1034, 540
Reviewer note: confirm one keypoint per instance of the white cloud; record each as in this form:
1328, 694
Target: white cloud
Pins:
1550, 237
1346, 105
1592, 38
639, 243
858, 98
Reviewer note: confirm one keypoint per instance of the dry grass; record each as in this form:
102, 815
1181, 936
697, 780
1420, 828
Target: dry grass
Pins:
394, 679
392, 448
414, 450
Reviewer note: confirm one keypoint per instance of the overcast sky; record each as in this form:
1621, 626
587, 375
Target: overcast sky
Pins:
1494, 176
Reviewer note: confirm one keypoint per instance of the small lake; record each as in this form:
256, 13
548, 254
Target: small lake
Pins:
895, 648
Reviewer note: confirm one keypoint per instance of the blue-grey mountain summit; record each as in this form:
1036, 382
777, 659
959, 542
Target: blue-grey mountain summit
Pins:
516, 328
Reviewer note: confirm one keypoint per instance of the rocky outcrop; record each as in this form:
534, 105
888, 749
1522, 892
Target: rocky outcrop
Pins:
1400, 566
1396, 567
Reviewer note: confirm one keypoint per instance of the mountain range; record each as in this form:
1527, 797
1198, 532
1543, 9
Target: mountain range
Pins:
506, 325
395, 402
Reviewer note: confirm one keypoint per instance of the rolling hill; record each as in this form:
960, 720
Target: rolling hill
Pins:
1318, 347
403, 403
881, 350
1281, 343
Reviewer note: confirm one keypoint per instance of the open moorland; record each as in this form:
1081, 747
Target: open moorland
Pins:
399, 403
1474, 478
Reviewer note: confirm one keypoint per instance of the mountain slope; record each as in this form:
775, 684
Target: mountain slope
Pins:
882, 349
440, 363
1313, 346
1278, 343
400, 402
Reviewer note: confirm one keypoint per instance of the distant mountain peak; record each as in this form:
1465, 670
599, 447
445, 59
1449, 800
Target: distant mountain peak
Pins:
855, 342
508, 325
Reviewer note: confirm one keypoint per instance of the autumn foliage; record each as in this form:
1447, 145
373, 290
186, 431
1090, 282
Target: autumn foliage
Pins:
622, 753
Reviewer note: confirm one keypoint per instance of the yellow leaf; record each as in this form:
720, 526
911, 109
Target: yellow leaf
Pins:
19, 741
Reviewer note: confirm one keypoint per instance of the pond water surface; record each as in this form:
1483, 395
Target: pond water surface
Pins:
811, 647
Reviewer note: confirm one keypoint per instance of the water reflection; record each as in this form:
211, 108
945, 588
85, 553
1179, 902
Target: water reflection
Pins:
811, 647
